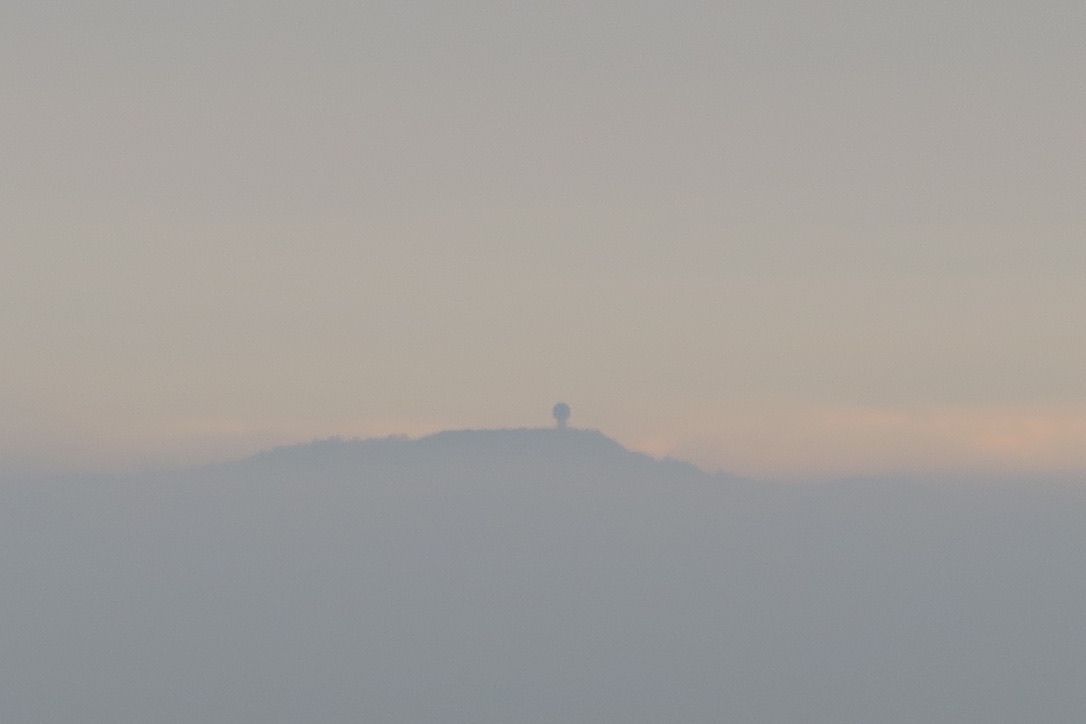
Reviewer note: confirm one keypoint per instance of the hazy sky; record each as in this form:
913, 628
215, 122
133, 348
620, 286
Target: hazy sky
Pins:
775, 237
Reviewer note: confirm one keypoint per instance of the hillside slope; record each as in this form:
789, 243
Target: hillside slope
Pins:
534, 576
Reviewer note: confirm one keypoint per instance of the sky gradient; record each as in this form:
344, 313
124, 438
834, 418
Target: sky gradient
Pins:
779, 238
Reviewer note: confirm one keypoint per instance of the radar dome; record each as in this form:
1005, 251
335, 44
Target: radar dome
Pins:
561, 414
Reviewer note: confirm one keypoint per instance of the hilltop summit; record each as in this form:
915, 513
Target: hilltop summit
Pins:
525, 451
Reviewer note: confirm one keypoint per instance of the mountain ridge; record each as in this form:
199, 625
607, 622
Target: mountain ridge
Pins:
535, 576
569, 446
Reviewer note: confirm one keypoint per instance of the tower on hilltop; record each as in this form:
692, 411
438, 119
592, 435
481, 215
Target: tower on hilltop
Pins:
561, 415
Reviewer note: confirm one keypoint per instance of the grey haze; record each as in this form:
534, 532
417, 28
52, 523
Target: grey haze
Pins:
535, 576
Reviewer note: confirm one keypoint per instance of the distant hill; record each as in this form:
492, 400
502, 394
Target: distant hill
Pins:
522, 448
535, 576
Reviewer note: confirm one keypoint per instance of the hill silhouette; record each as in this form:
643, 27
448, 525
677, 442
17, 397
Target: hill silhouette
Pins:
525, 451
535, 576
